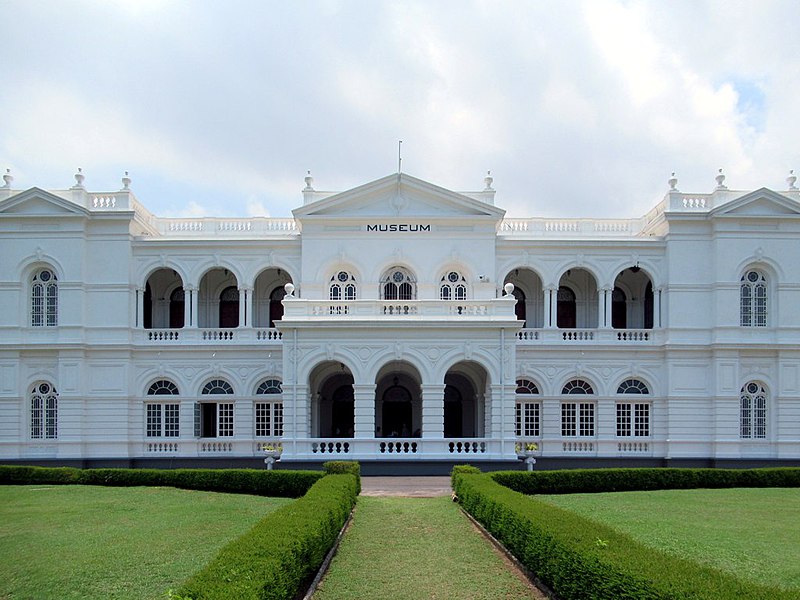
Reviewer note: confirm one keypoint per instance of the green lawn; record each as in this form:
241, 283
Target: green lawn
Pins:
104, 542
753, 534
414, 548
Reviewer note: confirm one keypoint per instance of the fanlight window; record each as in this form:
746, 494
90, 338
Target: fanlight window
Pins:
577, 386
753, 411
44, 299
633, 386
270, 386
163, 387
44, 412
217, 386
453, 286
526, 386
398, 284
753, 300
343, 286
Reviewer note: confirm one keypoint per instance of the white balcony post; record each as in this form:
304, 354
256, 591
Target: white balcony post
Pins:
242, 307
608, 296
657, 308
364, 410
195, 316
549, 310
140, 308
433, 410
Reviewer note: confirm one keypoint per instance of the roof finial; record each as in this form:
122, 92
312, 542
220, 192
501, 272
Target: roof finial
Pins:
79, 177
673, 182
791, 179
8, 178
488, 181
720, 179
309, 182
126, 181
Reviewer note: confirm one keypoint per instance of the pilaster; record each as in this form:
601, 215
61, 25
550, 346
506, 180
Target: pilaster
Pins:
364, 410
433, 410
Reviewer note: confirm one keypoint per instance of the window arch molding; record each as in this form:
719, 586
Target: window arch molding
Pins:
453, 284
163, 386
528, 387
43, 297
343, 284
633, 386
754, 410
269, 386
578, 386
216, 386
155, 267
43, 410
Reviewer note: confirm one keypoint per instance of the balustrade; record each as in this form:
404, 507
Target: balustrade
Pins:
216, 447
467, 447
577, 335
577, 446
632, 446
161, 447
398, 447
330, 447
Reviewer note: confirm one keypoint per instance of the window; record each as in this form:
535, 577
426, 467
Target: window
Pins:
269, 415
214, 419
633, 419
633, 386
342, 286
44, 299
577, 386
398, 284
753, 411
44, 412
577, 418
453, 286
528, 414
162, 419
753, 300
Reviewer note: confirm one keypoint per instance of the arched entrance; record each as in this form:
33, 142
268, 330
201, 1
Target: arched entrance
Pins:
267, 296
528, 292
398, 401
464, 400
332, 401
163, 300
218, 299
632, 300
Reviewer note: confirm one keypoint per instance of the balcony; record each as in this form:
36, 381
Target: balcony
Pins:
588, 337
208, 336
300, 309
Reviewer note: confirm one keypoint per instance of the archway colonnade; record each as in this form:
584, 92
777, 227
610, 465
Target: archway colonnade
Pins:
630, 301
398, 403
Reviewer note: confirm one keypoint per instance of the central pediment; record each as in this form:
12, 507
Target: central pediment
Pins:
398, 195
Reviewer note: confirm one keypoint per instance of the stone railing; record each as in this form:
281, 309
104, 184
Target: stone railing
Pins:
589, 336
208, 336
538, 227
206, 226
301, 308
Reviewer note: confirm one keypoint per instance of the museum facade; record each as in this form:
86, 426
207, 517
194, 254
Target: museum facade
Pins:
399, 321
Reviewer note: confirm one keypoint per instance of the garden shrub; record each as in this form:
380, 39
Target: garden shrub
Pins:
287, 484
580, 559
337, 467
275, 558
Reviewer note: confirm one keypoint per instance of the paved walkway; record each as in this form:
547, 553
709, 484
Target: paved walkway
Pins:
408, 487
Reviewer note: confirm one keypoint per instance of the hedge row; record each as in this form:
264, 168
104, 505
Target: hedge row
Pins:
275, 558
288, 484
626, 480
580, 559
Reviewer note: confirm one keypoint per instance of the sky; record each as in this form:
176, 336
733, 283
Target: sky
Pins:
578, 108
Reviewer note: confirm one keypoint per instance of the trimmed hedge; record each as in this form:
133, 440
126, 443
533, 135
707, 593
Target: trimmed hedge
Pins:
274, 559
287, 484
628, 480
580, 559
337, 467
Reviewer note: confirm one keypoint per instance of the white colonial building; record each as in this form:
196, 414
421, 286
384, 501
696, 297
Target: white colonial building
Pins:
399, 321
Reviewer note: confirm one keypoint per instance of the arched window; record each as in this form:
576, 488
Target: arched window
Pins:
398, 284
342, 286
162, 419
163, 387
269, 415
577, 386
753, 411
633, 418
577, 418
217, 386
528, 414
753, 300
44, 299
633, 386
44, 412
453, 286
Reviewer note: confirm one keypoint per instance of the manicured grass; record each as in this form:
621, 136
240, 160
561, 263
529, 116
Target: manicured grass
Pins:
416, 548
754, 534
105, 542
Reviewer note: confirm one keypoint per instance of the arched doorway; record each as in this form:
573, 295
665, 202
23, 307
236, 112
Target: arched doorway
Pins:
218, 299
632, 300
268, 294
163, 300
332, 401
398, 401
528, 291
465, 413
577, 300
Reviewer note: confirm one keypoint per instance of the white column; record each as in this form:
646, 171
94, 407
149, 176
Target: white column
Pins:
195, 308
140, 308
248, 311
433, 410
609, 297
187, 306
602, 308
364, 410
242, 306
549, 309
657, 308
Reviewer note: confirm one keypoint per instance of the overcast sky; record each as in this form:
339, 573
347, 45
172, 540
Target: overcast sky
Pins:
577, 108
